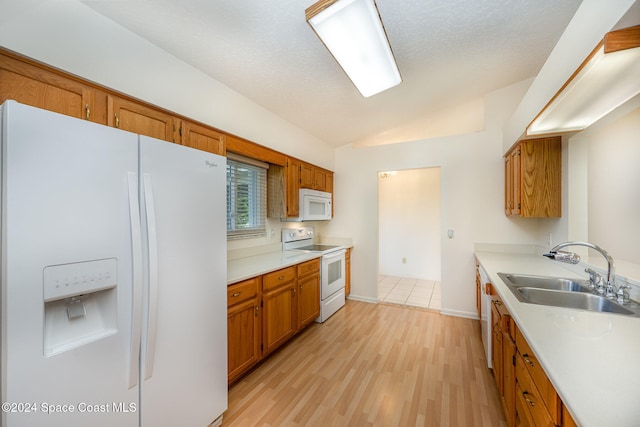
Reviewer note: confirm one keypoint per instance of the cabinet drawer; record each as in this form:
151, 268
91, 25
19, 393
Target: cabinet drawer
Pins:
276, 278
531, 365
530, 404
242, 291
309, 267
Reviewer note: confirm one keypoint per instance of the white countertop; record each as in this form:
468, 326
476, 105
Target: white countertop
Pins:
252, 266
592, 359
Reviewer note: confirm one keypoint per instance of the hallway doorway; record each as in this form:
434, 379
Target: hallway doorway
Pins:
409, 237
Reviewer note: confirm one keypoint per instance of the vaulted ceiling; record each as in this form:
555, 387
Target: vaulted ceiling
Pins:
448, 52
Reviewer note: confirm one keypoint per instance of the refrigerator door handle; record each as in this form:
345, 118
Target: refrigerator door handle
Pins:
136, 255
152, 324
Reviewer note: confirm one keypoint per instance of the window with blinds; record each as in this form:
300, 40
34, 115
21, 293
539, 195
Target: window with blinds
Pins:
246, 197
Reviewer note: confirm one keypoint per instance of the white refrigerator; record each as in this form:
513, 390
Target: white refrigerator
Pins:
113, 309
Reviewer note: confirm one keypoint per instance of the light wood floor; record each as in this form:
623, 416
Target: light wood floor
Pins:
373, 365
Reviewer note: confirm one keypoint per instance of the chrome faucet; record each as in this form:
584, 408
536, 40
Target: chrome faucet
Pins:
573, 258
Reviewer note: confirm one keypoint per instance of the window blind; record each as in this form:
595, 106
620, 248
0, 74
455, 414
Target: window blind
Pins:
246, 197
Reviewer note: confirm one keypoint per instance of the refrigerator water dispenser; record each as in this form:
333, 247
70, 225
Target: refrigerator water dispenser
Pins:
80, 304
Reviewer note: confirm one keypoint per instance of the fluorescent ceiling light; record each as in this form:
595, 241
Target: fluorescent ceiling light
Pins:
353, 32
608, 78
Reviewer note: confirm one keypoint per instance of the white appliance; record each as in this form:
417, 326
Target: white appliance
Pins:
332, 267
485, 314
113, 276
314, 205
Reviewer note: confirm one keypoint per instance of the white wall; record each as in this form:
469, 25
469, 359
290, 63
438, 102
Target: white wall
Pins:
605, 176
472, 194
614, 188
409, 224
72, 37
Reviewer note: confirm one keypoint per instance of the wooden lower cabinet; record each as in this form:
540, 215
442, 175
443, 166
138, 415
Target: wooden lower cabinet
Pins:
243, 326
567, 419
534, 382
308, 292
503, 356
278, 315
528, 396
509, 370
530, 409
347, 272
496, 345
266, 311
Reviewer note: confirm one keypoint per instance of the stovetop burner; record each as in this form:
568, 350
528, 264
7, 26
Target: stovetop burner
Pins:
301, 239
317, 248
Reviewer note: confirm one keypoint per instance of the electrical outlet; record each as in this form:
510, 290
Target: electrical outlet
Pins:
549, 239
404, 260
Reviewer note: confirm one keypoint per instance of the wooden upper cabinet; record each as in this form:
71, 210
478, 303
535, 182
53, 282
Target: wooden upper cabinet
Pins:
41, 87
533, 178
315, 178
320, 179
292, 187
203, 138
307, 175
138, 118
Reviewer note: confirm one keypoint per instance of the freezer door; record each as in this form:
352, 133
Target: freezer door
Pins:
66, 271
184, 358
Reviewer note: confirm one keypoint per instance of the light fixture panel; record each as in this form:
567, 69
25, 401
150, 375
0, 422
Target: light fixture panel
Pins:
604, 82
354, 34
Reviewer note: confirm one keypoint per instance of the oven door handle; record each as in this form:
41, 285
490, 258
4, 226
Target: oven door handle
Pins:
336, 254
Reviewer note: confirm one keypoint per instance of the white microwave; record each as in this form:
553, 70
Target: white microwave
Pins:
314, 205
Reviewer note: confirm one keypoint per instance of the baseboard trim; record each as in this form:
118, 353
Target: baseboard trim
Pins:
457, 313
363, 299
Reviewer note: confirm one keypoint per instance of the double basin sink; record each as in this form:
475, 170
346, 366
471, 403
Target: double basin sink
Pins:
567, 293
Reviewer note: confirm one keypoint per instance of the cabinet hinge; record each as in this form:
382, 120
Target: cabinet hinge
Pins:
261, 347
513, 360
261, 304
180, 131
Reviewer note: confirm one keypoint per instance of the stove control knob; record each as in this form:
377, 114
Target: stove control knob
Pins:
292, 234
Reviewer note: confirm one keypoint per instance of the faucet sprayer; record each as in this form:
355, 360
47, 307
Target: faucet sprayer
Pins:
569, 257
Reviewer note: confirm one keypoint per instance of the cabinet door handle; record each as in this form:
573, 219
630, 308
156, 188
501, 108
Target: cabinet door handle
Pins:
281, 278
87, 112
117, 121
257, 310
529, 401
237, 294
525, 357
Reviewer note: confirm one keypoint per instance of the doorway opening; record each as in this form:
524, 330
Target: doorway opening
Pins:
409, 237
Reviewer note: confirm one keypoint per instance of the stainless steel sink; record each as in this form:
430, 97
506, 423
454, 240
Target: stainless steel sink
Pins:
563, 292
545, 282
578, 300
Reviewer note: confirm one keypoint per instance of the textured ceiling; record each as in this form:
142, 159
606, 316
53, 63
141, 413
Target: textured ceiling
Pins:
448, 52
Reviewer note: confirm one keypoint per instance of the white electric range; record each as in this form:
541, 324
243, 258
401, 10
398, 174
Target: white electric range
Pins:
332, 267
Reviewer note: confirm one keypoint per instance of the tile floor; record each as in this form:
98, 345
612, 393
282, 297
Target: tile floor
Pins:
412, 292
